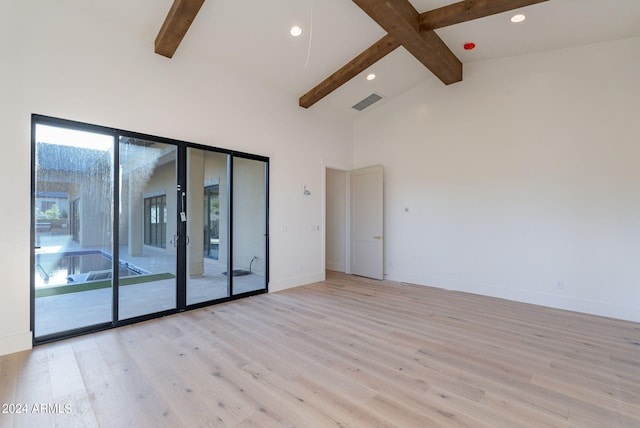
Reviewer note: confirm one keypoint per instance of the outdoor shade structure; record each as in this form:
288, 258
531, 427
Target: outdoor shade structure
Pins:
128, 227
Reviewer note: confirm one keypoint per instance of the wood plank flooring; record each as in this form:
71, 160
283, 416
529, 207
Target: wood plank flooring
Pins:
346, 352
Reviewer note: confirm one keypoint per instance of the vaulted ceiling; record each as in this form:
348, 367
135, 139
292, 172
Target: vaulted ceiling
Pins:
344, 40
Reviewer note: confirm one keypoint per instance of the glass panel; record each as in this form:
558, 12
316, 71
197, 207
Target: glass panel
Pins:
249, 225
73, 229
207, 204
147, 195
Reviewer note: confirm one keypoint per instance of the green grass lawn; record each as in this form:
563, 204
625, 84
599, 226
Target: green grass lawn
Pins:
95, 285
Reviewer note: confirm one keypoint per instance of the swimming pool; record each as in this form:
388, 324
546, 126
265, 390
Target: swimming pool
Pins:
55, 269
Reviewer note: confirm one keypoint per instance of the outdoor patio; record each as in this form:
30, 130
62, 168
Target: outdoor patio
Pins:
60, 312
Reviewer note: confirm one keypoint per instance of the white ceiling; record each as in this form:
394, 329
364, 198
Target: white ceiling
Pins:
252, 37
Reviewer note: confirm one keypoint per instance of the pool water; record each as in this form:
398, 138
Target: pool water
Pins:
64, 268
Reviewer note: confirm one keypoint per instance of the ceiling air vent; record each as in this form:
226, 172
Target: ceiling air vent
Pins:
367, 102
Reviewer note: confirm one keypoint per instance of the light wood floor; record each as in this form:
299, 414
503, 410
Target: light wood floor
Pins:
346, 352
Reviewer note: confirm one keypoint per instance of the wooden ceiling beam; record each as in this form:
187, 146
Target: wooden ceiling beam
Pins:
468, 10
370, 56
424, 23
176, 25
400, 19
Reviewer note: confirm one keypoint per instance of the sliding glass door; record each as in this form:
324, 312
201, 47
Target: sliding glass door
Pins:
72, 203
208, 206
148, 234
249, 225
128, 227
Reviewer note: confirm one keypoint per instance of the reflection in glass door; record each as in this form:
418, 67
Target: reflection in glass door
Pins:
249, 225
207, 208
148, 235
72, 211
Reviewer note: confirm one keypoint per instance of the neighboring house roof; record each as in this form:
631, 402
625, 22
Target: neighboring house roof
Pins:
66, 158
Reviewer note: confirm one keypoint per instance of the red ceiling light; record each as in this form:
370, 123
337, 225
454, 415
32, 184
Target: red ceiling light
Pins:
469, 46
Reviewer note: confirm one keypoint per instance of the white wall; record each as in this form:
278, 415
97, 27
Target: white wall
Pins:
61, 59
522, 181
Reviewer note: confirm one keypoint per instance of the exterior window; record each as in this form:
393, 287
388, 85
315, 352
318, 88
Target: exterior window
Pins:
47, 206
212, 222
155, 216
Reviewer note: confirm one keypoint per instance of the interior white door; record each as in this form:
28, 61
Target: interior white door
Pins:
367, 222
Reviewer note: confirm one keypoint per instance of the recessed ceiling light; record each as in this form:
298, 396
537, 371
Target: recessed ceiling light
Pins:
295, 31
371, 76
518, 18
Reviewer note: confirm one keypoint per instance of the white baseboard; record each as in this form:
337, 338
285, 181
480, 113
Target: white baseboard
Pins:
557, 301
15, 343
336, 267
295, 282
535, 297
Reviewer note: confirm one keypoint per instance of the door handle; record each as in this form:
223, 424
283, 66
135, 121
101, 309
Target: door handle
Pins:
177, 242
379, 237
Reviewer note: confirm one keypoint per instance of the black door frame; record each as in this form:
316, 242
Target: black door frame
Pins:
183, 239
